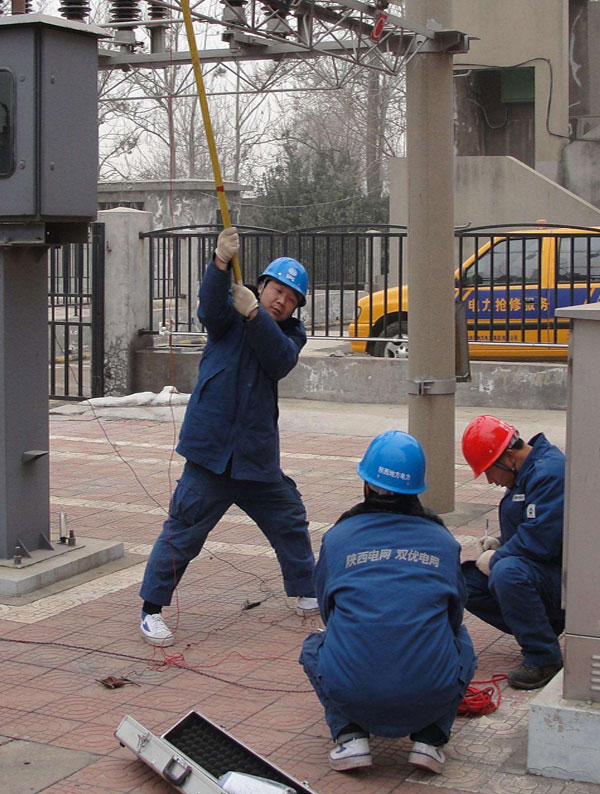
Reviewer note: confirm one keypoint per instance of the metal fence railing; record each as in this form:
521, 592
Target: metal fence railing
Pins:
510, 278
76, 318
343, 266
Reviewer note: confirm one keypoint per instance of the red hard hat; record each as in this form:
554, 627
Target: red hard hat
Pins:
484, 440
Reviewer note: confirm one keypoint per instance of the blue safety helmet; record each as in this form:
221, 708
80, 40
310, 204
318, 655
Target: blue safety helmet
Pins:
290, 272
394, 461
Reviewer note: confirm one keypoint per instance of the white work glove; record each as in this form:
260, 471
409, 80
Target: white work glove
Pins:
244, 300
489, 543
228, 244
483, 561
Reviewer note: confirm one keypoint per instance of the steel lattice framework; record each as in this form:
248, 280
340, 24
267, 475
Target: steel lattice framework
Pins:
364, 34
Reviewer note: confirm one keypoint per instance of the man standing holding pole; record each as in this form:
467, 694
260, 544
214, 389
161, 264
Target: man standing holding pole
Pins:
230, 437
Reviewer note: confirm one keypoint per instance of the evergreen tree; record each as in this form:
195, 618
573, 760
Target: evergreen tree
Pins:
321, 190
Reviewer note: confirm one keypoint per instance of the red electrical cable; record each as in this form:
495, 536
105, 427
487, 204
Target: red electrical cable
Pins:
478, 702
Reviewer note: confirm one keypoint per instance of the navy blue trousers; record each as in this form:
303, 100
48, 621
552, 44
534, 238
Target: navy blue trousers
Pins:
437, 733
522, 598
200, 500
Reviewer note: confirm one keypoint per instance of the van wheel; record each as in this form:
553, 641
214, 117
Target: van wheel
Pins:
396, 348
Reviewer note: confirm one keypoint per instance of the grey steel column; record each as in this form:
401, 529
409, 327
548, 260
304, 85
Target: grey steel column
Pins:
430, 162
24, 467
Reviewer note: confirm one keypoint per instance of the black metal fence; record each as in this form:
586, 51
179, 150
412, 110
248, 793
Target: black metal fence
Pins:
76, 318
510, 278
343, 265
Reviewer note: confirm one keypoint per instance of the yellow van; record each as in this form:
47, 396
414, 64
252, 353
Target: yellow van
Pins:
511, 287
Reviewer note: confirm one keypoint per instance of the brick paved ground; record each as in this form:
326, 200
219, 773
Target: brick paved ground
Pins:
237, 667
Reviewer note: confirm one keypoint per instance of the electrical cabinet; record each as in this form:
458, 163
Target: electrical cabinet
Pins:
48, 128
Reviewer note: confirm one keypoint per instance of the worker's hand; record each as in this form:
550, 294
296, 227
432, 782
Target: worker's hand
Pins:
244, 300
483, 561
228, 244
489, 543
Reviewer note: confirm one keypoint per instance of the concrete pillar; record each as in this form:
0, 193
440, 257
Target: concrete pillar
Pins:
552, 96
127, 295
548, 147
431, 361
373, 275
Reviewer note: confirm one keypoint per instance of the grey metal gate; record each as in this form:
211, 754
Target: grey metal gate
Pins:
76, 318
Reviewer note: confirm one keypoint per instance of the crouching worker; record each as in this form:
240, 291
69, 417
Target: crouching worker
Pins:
515, 583
394, 659
230, 435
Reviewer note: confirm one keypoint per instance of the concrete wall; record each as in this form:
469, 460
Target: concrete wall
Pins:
499, 190
373, 380
329, 309
515, 31
581, 167
171, 203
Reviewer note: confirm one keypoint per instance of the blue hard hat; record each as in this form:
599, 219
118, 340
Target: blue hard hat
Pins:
290, 272
394, 461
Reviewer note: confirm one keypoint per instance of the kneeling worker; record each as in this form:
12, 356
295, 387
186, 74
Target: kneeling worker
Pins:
515, 584
395, 658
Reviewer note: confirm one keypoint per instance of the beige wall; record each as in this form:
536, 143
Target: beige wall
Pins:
498, 190
172, 203
581, 167
511, 32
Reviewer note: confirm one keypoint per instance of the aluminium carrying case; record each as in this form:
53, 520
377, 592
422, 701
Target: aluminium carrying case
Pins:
195, 753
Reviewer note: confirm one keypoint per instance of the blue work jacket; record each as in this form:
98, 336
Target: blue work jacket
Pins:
531, 513
395, 655
232, 415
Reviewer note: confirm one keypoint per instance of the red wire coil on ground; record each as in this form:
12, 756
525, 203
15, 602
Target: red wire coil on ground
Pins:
478, 702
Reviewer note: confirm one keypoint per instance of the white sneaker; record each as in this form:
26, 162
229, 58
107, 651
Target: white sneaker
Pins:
351, 754
155, 631
426, 756
306, 605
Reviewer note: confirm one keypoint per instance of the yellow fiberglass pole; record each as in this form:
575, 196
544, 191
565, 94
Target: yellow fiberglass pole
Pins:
210, 138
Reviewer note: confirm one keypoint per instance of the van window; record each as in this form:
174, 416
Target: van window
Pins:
506, 257
574, 255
